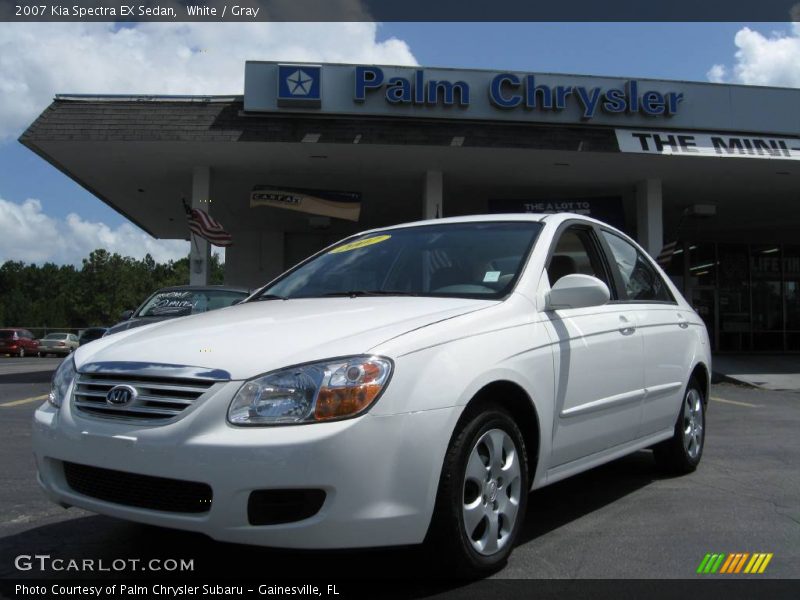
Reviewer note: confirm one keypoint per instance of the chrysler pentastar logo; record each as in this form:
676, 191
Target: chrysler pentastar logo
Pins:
299, 83
121, 395
300, 86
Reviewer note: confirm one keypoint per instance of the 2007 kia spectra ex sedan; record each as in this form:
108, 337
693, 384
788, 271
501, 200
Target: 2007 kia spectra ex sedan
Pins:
408, 384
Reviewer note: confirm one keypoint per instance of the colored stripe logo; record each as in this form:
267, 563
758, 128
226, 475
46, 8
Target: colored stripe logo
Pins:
738, 562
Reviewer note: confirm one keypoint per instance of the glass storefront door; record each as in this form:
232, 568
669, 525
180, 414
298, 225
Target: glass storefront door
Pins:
791, 294
747, 294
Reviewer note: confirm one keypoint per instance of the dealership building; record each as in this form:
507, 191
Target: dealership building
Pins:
710, 170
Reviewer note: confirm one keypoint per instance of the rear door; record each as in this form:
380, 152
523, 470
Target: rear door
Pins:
30, 341
597, 357
664, 328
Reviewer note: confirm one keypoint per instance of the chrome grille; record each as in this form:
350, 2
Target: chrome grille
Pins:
157, 398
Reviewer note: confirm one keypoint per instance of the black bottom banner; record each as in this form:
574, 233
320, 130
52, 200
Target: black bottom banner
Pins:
500, 589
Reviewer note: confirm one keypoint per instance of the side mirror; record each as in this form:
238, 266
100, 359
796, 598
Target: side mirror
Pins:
126, 315
577, 291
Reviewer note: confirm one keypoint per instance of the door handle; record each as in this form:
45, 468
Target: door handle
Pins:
627, 328
682, 323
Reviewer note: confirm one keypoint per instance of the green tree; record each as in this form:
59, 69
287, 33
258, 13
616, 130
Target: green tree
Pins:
61, 296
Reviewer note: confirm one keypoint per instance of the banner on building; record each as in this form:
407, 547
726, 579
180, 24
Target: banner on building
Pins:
338, 205
715, 145
605, 208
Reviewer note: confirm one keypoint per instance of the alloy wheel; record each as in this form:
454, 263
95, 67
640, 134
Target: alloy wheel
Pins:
492, 491
693, 423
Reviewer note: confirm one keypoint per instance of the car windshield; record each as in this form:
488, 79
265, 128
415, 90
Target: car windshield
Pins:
475, 260
56, 336
174, 303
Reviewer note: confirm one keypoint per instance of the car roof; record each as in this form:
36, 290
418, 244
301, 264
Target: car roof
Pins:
554, 218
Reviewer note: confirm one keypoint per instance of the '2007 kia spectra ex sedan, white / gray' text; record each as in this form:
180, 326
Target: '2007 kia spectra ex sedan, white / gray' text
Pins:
407, 384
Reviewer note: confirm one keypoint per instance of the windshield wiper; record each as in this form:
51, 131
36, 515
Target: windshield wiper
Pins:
356, 293
269, 297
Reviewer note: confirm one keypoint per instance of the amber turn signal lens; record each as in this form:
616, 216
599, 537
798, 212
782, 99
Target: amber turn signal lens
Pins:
344, 402
351, 388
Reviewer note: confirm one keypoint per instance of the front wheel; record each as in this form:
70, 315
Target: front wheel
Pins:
21, 353
482, 494
682, 452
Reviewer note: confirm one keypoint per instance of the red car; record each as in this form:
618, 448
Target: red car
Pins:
18, 342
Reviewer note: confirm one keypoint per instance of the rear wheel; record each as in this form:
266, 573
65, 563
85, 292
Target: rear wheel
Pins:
683, 451
482, 495
21, 352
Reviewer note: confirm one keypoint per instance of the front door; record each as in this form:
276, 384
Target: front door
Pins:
598, 360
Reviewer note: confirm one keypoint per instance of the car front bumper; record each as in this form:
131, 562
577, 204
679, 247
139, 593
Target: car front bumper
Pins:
379, 473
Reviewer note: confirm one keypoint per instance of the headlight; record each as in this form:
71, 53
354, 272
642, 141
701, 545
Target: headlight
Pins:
314, 392
61, 382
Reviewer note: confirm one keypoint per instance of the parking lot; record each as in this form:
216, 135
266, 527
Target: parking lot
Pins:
623, 520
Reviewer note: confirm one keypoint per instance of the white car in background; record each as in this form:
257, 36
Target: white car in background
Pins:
408, 384
58, 343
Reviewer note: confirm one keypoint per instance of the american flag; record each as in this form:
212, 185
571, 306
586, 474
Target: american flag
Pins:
204, 225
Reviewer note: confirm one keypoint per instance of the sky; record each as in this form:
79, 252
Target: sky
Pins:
44, 216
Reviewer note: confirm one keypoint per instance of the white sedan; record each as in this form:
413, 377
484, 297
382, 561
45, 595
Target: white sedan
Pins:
409, 384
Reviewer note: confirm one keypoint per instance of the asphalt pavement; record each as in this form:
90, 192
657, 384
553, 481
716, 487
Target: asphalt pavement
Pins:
622, 520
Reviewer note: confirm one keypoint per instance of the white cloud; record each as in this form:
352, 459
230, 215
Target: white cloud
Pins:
717, 74
772, 59
38, 60
29, 235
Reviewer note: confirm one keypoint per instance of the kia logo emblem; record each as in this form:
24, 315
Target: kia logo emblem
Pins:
120, 395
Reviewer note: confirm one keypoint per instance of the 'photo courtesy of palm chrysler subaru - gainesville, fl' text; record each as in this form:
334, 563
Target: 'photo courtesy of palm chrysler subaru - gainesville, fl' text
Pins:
406, 385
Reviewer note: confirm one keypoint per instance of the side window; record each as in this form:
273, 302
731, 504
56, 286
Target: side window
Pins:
576, 252
642, 282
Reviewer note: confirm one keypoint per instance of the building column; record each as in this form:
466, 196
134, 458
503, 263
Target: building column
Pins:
200, 253
650, 216
432, 201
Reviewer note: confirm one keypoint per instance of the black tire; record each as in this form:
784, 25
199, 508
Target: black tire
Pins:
680, 455
447, 539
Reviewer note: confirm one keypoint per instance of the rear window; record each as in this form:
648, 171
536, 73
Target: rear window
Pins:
6, 335
175, 303
56, 336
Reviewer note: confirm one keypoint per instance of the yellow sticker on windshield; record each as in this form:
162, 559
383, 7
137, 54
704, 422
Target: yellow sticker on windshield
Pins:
360, 244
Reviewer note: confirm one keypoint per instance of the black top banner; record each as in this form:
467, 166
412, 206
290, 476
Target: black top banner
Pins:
387, 11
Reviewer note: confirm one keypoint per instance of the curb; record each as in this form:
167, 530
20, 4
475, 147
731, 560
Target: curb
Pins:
722, 378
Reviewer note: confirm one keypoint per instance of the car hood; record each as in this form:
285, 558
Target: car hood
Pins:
256, 337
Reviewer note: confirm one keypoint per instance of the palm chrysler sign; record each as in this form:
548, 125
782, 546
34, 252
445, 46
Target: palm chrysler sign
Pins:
440, 93
371, 89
